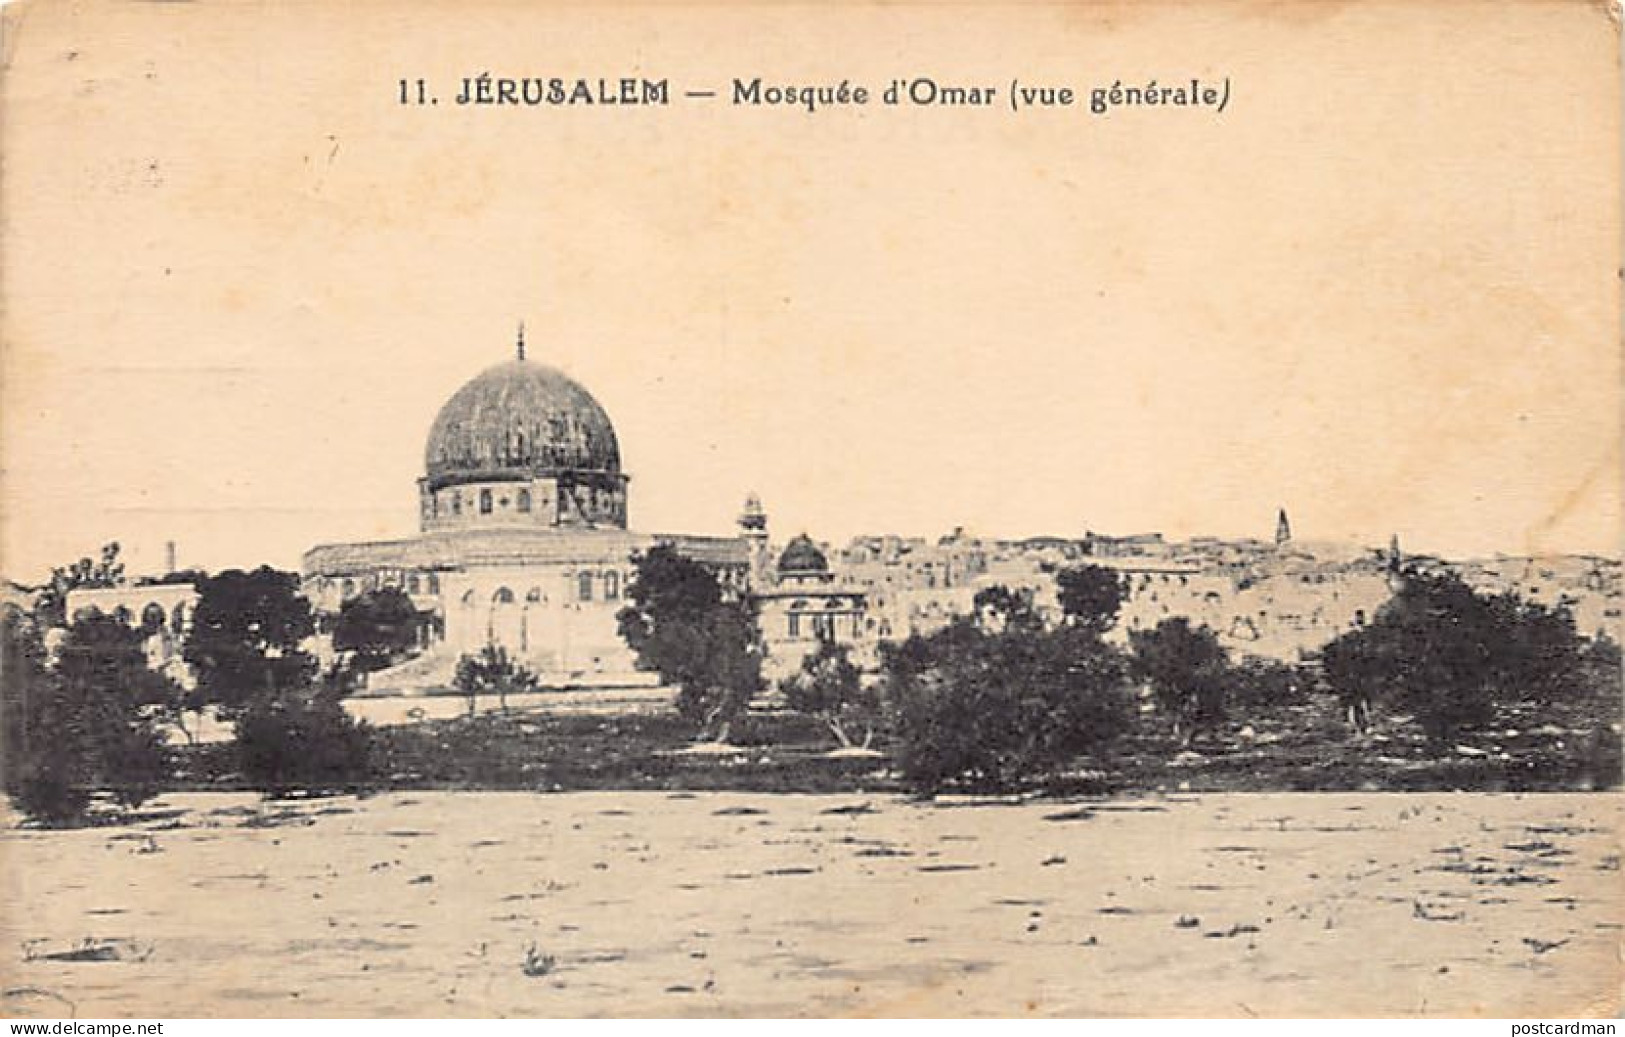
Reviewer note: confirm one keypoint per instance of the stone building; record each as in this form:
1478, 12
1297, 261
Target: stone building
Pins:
160, 610
523, 540
802, 605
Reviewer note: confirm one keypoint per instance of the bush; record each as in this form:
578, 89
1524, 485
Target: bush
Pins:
996, 711
45, 789
302, 741
1091, 596
1450, 657
82, 725
491, 672
1188, 672
682, 623
1262, 687
828, 686
135, 763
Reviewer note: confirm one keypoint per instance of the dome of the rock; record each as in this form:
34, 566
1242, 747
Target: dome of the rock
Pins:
519, 418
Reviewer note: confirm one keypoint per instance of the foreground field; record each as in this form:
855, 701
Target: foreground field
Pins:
652, 903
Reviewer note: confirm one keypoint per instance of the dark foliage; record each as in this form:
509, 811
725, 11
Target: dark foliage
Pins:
1187, 670
105, 571
245, 638
681, 624
1002, 710
491, 672
1000, 608
301, 740
85, 725
379, 626
1259, 688
1091, 596
1448, 656
788, 753
828, 686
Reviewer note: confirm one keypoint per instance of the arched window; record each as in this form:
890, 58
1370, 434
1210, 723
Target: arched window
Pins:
456, 504
347, 588
612, 586
123, 615
535, 596
503, 596
795, 624
413, 584
177, 618
524, 501
485, 502
152, 618
584, 586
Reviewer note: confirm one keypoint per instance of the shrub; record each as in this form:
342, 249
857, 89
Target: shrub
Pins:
302, 741
828, 686
1262, 687
1001, 710
683, 623
1450, 657
135, 763
46, 789
378, 627
82, 725
1091, 596
1188, 671
492, 672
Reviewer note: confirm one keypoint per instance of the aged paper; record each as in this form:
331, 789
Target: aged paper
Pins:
1027, 270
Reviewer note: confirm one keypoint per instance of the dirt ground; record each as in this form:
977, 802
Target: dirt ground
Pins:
655, 903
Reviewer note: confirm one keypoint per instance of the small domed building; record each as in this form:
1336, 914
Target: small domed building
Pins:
801, 604
523, 537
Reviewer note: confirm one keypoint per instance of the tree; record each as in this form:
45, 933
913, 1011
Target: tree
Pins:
492, 672
302, 739
1449, 657
1601, 676
378, 626
680, 624
44, 784
829, 686
1537, 654
1187, 670
1263, 687
1000, 710
1091, 596
246, 635
999, 608
107, 571
82, 725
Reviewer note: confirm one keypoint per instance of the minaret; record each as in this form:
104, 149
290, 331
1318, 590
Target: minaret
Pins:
1283, 528
519, 346
753, 529
1395, 559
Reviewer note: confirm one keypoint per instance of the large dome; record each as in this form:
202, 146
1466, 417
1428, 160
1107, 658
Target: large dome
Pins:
519, 417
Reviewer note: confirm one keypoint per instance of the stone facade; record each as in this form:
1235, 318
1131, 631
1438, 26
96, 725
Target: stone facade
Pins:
163, 611
802, 605
523, 541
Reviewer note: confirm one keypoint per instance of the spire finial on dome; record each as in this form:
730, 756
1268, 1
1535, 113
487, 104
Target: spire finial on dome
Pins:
519, 346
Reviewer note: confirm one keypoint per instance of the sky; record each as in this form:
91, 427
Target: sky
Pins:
1380, 289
